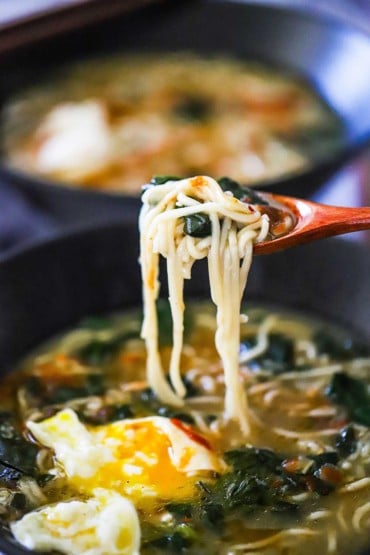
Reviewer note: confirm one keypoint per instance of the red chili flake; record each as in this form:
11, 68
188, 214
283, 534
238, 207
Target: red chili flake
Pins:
330, 473
338, 423
191, 433
292, 465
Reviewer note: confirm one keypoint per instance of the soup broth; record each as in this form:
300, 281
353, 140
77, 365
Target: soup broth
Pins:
299, 484
113, 123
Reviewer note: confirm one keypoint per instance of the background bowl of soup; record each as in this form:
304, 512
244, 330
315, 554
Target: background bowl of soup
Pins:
95, 273
206, 87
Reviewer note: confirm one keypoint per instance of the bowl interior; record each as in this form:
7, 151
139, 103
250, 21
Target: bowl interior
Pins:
50, 287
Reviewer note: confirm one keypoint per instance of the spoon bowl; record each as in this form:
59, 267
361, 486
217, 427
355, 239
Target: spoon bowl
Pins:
311, 221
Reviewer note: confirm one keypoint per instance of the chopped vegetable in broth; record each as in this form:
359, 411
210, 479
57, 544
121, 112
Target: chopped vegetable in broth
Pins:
91, 459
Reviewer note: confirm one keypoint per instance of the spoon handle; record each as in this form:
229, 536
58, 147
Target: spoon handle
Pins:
316, 221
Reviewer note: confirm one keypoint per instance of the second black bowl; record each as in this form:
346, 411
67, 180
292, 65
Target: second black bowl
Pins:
333, 56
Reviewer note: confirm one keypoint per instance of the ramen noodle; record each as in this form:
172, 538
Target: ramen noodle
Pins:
92, 461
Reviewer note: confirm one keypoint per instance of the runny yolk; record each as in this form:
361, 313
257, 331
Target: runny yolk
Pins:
142, 468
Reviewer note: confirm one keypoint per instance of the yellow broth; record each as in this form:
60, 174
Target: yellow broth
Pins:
299, 485
113, 123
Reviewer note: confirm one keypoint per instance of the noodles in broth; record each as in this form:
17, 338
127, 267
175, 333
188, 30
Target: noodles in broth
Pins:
129, 435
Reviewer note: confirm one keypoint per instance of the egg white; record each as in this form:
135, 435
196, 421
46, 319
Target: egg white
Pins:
105, 524
118, 466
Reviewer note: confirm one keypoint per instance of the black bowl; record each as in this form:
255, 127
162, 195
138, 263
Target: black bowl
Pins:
52, 286
332, 55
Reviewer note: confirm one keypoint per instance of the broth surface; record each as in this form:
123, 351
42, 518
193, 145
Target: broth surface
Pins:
112, 124
299, 485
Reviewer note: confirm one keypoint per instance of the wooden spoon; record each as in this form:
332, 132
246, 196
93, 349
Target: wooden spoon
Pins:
309, 221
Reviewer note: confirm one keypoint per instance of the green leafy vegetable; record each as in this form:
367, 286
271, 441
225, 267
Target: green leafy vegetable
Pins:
42, 393
165, 322
98, 352
353, 394
256, 482
241, 192
259, 482
339, 349
19, 501
330, 457
109, 413
257, 486
193, 109
16, 454
8, 475
147, 403
197, 225
162, 179
278, 357
62, 394
173, 538
181, 510
346, 441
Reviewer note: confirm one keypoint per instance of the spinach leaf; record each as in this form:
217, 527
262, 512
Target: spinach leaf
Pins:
19, 501
19, 454
9, 476
62, 394
257, 482
173, 538
171, 413
197, 225
241, 192
109, 413
162, 179
257, 485
42, 393
330, 457
339, 349
165, 322
278, 357
180, 510
16, 454
146, 403
193, 109
98, 352
353, 394
346, 441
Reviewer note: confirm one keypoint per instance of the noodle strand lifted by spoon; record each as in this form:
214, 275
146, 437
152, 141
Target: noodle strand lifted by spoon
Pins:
234, 227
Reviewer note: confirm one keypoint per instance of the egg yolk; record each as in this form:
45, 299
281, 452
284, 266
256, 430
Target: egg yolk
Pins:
145, 459
142, 467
